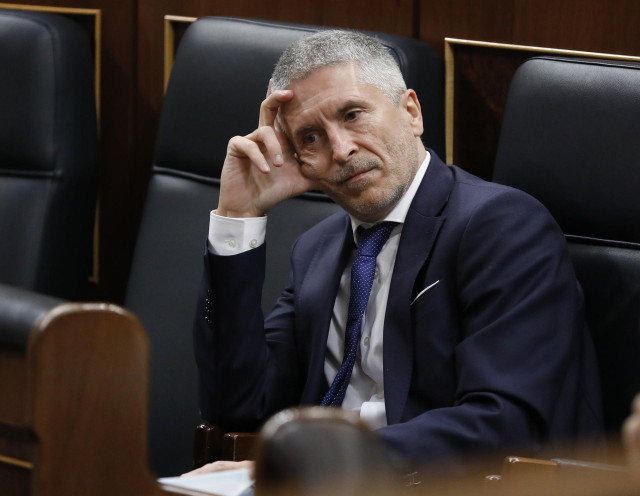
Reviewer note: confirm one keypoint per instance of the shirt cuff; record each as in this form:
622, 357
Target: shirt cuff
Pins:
231, 236
374, 413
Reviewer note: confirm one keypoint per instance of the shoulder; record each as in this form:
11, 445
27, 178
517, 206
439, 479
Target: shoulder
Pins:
492, 219
472, 195
474, 190
450, 191
484, 217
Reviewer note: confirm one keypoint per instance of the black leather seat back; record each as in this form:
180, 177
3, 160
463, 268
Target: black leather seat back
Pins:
48, 153
570, 138
162, 291
20, 311
610, 278
218, 80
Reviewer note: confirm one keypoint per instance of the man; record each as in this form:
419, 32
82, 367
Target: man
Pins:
465, 333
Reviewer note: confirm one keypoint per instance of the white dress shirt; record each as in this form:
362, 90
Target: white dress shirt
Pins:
365, 392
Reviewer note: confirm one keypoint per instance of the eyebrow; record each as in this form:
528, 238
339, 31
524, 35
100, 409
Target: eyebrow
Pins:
349, 104
303, 130
354, 102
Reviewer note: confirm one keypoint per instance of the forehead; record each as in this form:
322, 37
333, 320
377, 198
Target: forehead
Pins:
325, 91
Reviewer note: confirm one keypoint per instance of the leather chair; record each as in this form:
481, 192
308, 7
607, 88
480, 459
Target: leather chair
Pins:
570, 139
48, 153
218, 80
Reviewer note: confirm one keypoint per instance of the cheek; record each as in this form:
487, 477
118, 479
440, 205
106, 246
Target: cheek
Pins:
309, 171
313, 172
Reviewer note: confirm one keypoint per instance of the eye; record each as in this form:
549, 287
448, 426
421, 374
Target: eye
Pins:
309, 139
352, 115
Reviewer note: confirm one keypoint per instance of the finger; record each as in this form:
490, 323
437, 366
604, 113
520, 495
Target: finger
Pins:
242, 147
631, 432
269, 87
268, 138
218, 466
631, 441
289, 151
270, 106
202, 470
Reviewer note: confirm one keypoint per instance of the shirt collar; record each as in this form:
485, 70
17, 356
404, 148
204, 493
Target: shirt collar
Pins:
399, 212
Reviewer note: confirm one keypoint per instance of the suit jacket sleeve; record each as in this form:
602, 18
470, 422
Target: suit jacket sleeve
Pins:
244, 371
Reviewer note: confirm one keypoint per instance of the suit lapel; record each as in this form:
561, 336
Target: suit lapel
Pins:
317, 293
422, 224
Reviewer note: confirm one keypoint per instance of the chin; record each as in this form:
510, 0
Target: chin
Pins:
371, 209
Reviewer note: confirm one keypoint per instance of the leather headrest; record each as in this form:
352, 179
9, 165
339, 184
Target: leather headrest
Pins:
40, 130
570, 137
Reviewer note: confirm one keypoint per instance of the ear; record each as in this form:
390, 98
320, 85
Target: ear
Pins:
411, 106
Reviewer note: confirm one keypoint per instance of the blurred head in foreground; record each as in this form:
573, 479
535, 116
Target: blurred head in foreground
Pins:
320, 451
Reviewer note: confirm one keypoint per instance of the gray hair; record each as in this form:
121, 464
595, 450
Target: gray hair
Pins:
377, 67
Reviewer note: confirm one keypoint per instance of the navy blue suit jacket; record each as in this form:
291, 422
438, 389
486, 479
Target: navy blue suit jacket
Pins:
496, 354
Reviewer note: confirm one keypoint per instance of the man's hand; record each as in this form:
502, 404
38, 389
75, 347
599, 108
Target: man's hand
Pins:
222, 465
631, 437
260, 170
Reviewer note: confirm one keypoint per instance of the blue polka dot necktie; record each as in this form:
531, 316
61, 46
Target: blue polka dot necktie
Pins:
370, 242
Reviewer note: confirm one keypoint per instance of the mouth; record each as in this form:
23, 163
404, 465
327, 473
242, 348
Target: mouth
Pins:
354, 175
357, 176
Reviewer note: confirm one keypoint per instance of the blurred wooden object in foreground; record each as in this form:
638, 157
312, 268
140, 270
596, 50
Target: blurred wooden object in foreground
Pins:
73, 389
73, 419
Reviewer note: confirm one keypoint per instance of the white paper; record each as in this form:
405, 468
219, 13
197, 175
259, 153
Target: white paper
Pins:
225, 483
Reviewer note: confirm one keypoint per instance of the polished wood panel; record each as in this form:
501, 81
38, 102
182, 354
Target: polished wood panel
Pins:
13, 376
588, 25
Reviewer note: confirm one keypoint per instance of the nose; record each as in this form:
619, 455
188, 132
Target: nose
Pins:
342, 145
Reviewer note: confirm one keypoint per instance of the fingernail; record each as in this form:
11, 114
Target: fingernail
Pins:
278, 160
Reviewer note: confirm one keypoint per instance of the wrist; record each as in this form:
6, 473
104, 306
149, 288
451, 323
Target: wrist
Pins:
238, 214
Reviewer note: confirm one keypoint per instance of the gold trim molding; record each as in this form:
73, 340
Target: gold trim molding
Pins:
15, 462
170, 22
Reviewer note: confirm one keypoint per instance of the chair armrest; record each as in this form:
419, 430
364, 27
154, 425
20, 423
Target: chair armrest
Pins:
213, 443
238, 446
207, 444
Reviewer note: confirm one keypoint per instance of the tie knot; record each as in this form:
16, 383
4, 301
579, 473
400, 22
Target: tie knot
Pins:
371, 241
